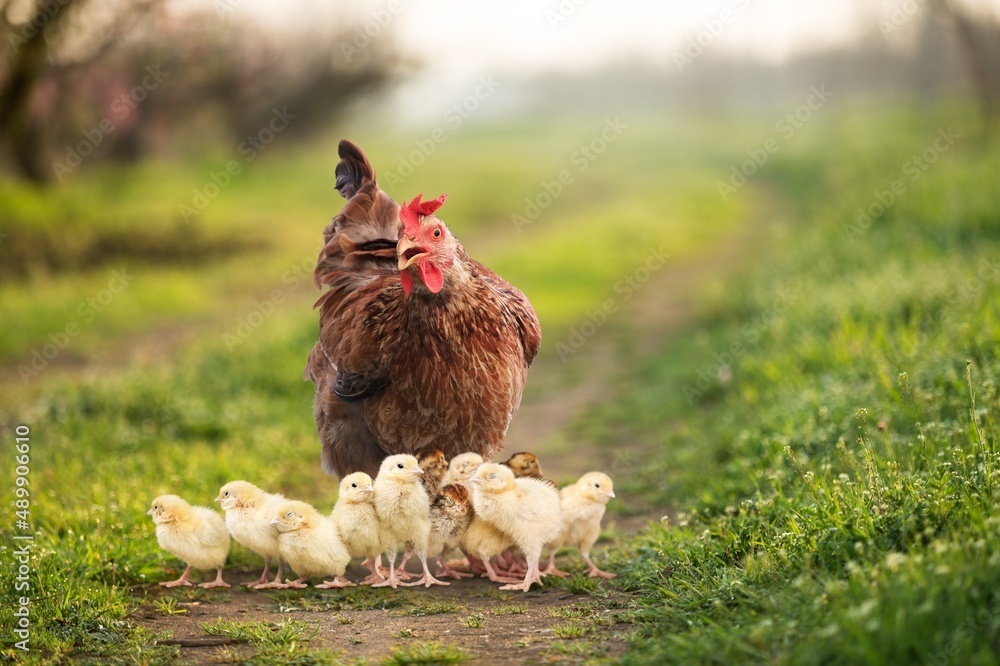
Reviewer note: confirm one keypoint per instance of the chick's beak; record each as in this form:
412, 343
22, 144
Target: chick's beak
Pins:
475, 480
368, 489
149, 513
416, 471
408, 252
219, 498
275, 521
610, 493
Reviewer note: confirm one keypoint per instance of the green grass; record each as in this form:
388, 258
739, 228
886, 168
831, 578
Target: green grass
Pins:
835, 481
430, 652
832, 491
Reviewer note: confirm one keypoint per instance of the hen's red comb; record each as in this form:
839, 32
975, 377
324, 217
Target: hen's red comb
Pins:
410, 213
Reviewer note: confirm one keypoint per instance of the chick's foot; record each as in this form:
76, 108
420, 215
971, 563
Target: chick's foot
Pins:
337, 583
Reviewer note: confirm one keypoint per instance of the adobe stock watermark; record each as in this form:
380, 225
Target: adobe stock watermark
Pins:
912, 170
121, 108
453, 118
248, 149
696, 45
626, 287
223, 7
983, 620
86, 312
786, 127
23, 536
563, 11
366, 32
43, 15
900, 15
720, 368
580, 159
262, 310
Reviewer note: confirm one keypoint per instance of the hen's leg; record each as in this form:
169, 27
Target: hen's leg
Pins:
264, 576
184, 580
218, 582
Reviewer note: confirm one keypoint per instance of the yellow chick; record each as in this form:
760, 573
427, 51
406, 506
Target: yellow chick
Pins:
309, 542
356, 521
462, 467
484, 542
403, 510
248, 517
583, 504
195, 534
451, 513
527, 510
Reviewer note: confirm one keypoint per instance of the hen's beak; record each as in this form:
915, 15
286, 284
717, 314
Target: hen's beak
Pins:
408, 252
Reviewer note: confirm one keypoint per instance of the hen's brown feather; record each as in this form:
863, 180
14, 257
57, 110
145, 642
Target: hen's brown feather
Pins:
443, 370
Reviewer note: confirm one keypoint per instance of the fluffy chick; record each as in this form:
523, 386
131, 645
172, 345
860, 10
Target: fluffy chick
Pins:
435, 465
309, 542
248, 518
583, 504
525, 464
462, 467
357, 522
451, 513
525, 509
195, 534
484, 541
403, 510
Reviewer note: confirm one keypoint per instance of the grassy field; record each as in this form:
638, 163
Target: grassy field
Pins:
824, 426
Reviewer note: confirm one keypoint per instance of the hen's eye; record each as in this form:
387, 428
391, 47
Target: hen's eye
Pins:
437, 233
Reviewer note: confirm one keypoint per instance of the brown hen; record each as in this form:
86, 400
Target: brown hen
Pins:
420, 346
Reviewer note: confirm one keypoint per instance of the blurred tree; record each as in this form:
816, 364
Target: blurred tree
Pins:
81, 80
979, 44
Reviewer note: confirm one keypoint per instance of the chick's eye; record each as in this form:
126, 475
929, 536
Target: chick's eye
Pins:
400, 465
597, 485
226, 494
492, 476
289, 514
354, 485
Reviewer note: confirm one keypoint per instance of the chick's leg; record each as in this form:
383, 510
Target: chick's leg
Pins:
392, 581
531, 577
427, 579
551, 570
276, 583
493, 575
264, 577
446, 570
338, 582
218, 582
184, 580
375, 569
593, 571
